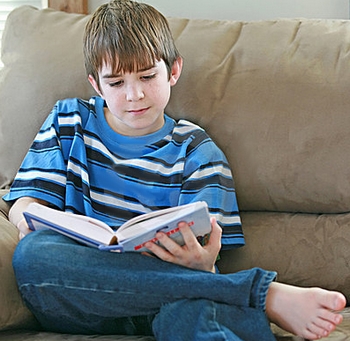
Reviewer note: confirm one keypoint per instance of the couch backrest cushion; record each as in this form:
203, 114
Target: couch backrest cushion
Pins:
41, 51
273, 94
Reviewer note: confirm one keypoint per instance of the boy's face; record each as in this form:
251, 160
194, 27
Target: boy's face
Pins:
136, 100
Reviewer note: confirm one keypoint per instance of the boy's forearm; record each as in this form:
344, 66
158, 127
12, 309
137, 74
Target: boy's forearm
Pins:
20, 205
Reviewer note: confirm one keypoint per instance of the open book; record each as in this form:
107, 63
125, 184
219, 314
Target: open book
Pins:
131, 236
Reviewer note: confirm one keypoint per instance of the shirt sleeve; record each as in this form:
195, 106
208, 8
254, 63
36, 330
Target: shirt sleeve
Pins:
208, 177
42, 174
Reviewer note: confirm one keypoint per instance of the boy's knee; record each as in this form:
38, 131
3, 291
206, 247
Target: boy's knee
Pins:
32, 253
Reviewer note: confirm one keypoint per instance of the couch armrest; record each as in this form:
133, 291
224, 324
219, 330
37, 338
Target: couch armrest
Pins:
13, 313
4, 207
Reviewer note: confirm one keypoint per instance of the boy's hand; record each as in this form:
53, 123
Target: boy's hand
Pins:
191, 254
23, 228
16, 214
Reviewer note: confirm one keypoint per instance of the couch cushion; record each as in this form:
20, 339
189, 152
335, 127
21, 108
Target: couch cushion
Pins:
304, 249
272, 94
42, 54
275, 97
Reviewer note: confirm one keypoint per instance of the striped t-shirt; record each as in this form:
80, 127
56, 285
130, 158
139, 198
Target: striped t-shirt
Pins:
77, 163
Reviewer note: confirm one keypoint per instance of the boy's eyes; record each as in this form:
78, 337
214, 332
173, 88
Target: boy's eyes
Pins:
144, 78
116, 84
148, 77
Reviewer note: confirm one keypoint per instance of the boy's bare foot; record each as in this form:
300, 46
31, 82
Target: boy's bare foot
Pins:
311, 313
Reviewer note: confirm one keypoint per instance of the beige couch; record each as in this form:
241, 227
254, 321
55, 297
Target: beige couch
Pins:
275, 95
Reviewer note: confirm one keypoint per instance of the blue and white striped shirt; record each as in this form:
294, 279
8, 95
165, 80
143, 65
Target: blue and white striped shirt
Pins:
79, 164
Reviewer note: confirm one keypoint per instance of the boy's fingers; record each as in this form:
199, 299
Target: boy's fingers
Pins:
23, 228
216, 233
187, 234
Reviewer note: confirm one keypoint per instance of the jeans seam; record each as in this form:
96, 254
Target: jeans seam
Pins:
217, 324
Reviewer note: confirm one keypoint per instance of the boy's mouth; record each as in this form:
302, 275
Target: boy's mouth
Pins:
137, 112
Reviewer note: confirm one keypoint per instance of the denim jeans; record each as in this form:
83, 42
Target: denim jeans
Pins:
72, 288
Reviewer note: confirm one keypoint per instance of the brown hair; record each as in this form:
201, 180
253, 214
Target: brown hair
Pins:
129, 36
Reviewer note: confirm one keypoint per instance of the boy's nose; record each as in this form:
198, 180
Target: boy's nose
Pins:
134, 93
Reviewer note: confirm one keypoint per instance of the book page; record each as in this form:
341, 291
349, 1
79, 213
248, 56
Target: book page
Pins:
157, 220
80, 226
147, 216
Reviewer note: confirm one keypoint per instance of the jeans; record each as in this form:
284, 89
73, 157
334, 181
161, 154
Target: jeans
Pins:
71, 288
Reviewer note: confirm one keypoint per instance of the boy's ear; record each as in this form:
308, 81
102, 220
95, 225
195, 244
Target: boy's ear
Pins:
95, 85
176, 71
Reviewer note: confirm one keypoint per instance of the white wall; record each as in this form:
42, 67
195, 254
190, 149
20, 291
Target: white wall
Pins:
247, 9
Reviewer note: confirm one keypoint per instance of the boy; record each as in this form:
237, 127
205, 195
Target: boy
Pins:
116, 156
